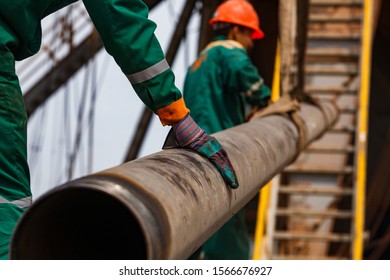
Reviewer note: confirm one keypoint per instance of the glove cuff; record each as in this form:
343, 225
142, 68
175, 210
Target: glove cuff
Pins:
173, 113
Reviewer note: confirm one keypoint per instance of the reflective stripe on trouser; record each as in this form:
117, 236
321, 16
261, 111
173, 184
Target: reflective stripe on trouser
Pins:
14, 173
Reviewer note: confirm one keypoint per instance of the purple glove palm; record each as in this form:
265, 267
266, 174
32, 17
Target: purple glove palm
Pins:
189, 135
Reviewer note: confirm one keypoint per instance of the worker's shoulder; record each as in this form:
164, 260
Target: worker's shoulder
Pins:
224, 45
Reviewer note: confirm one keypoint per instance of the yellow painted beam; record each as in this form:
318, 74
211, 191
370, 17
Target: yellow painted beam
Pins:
262, 207
365, 69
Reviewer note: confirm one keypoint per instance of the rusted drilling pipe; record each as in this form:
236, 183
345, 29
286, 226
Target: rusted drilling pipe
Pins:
163, 206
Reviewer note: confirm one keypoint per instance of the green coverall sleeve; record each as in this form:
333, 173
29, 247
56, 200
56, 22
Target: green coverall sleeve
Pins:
244, 78
128, 35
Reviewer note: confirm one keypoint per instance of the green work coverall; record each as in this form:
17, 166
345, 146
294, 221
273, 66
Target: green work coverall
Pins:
218, 87
127, 35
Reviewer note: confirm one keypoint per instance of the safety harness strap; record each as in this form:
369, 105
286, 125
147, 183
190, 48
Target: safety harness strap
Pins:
286, 107
302, 96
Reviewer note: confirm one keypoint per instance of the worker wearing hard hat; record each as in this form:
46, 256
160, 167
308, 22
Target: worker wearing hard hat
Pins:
218, 87
129, 37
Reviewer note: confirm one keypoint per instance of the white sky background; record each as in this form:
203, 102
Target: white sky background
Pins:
117, 112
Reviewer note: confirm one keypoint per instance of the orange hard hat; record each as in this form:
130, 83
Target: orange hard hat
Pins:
239, 12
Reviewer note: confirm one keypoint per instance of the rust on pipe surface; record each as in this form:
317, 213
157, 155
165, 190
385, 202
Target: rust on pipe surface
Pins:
162, 206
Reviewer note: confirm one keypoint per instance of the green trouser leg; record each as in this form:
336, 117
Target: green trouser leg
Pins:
15, 193
230, 242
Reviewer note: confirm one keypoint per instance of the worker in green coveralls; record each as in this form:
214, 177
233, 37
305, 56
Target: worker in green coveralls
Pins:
218, 88
129, 37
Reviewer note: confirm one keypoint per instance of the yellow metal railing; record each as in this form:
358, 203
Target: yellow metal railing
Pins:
361, 156
265, 191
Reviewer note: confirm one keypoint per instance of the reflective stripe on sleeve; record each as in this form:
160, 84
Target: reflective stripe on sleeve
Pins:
253, 88
148, 73
22, 203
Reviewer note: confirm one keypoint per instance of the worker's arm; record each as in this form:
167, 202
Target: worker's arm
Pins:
129, 37
244, 78
258, 94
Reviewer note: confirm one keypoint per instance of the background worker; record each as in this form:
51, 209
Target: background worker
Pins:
129, 37
218, 87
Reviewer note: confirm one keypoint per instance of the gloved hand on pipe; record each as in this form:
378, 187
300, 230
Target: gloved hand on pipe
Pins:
187, 134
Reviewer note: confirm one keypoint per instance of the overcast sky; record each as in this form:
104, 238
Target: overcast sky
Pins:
117, 112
